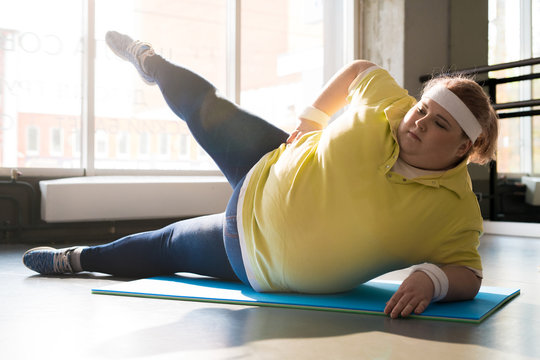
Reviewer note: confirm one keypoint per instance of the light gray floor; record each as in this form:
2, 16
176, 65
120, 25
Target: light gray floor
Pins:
46, 317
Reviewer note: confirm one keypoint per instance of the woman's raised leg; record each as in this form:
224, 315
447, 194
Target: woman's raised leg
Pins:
234, 138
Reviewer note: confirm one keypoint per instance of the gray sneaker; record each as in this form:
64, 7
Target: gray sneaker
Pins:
49, 261
133, 51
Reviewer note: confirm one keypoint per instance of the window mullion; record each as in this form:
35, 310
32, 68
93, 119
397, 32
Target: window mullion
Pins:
352, 25
88, 89
233, 50
341, 45
525, 86
333, 38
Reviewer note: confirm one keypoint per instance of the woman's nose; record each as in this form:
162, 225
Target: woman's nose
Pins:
421, 123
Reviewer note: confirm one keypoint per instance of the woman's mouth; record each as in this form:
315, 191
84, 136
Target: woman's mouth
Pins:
414, 136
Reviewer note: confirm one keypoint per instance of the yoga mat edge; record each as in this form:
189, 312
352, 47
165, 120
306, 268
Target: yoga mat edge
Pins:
290, 300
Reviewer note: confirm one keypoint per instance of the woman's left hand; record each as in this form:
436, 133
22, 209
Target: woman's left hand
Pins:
304, 127
414, 295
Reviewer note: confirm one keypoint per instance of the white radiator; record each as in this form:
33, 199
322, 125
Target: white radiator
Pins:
96, 198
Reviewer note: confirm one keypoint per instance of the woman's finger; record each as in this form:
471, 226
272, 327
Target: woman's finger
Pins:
422, 305
391, 303
408, 308
292, 137
396, 303
407, 304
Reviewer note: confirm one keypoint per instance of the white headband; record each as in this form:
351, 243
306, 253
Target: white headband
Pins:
459, 111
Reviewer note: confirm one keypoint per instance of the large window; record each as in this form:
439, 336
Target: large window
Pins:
65, 104
291, 47
514, 34
40, 82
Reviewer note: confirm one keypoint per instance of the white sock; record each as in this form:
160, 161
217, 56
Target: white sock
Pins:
142, 58
75, 259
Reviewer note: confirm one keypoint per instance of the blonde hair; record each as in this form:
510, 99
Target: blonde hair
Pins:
474, 97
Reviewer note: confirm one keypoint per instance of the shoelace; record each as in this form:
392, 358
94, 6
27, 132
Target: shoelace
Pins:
61, 263
136, 46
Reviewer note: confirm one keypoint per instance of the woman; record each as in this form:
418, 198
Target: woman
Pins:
321, 210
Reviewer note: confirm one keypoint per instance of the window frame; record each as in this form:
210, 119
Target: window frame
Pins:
526, 123
343, 26
123, 143
144, 144
526, 140
56, 133
30, 151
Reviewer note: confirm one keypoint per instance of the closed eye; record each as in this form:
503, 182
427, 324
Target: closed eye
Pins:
439, 124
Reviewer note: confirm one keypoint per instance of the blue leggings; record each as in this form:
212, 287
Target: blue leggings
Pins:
207, 245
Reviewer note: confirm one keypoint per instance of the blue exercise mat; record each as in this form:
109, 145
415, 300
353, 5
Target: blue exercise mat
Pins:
368, 298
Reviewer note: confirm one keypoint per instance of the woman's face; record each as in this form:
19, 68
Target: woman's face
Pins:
430, 138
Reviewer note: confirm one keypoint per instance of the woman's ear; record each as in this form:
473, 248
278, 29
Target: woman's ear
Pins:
464, 148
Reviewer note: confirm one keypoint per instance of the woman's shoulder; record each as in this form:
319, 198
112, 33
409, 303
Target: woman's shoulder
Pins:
376, 86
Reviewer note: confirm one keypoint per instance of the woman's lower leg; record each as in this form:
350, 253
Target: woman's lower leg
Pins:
192, 245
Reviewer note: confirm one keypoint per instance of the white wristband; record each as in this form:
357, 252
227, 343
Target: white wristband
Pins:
439, 278
313, 114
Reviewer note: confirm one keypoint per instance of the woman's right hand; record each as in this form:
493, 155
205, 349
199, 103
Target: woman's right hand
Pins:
413, 296
304, 127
